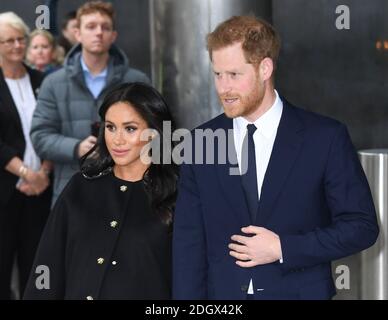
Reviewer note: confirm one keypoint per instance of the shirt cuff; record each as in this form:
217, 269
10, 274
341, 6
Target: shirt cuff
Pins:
281, 253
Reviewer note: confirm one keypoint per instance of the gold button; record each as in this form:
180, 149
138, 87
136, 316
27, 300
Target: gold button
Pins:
100, 260
123, 188
114, 262
89, 298
113, 224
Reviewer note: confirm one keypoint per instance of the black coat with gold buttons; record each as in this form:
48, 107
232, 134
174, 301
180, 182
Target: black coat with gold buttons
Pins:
102, 241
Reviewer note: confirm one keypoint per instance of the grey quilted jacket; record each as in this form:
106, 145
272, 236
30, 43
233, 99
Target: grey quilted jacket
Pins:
66, 109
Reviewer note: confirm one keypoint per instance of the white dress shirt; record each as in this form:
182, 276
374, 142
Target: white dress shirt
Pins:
264, 138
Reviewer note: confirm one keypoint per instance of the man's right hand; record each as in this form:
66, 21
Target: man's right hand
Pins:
86, 145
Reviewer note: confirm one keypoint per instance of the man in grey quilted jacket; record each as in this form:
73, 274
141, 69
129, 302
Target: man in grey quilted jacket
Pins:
69, 98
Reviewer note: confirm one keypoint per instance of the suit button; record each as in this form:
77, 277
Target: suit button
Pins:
114, 262
113, 224
244, 288
100, 260
89, 298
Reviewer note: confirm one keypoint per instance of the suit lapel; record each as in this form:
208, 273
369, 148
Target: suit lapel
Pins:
7, 101
286, 148
231, 183
6, 97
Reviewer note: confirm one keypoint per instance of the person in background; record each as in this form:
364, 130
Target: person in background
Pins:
67, 39
68, 101
24, 177
109, 234
43, 53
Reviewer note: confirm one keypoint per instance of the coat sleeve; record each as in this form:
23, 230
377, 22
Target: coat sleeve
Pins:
6, 154
189, 241
353, 225
134, 75
46, 136
51, 254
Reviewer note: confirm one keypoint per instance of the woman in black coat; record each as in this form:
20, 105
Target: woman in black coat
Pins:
24, 193
109, 234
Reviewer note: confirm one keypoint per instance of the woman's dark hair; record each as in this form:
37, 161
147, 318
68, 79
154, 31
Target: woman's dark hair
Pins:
160, 179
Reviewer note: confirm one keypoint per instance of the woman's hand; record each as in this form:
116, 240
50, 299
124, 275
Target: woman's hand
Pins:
34, 182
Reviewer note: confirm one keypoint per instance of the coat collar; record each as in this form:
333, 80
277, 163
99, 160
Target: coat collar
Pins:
6, 97
36, 78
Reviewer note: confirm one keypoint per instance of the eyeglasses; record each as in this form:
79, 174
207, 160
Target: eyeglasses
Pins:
11, 42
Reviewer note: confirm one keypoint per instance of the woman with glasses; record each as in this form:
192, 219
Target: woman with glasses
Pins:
24, 178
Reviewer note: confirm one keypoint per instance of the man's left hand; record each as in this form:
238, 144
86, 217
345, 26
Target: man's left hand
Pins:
261, 248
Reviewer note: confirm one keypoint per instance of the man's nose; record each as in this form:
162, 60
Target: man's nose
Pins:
224, 85
99, 30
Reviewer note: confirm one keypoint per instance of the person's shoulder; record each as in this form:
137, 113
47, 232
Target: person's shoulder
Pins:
314, 120
79, 184
35, 73
36, 77
76, 182
136, 75
55, 77
219, 122
80, 178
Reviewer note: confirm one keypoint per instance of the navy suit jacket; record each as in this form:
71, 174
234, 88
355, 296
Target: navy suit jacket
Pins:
315, 196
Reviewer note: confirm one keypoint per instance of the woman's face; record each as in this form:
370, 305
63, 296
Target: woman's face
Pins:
123, 127
12, 44
40, 52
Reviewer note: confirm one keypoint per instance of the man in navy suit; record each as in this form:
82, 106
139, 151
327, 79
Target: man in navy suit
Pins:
301, 200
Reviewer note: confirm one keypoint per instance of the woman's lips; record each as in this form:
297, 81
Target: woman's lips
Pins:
119, 153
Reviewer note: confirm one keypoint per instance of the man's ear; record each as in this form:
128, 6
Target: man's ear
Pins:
266, 68
77, 34
114, 36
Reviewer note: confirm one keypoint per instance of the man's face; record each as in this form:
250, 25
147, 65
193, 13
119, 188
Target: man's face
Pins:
238, 84
96, 33
70, 30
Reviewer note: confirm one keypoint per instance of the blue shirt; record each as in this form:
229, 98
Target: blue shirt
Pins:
94, 83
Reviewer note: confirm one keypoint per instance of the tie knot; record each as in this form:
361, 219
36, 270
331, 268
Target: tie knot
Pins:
251, 128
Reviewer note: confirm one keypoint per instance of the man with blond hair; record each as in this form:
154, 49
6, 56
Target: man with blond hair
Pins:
301, 200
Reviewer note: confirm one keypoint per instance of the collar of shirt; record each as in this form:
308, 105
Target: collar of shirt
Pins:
87, 72
267, 124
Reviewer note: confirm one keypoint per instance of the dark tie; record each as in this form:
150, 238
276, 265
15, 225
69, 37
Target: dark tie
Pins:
249, 178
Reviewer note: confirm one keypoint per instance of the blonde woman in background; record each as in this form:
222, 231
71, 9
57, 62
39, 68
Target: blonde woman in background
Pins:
43, 54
